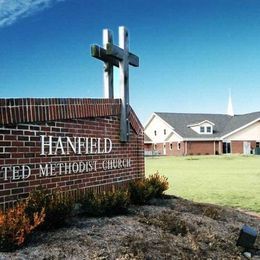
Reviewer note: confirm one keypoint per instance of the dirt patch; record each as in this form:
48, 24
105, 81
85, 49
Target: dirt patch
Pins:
168, 229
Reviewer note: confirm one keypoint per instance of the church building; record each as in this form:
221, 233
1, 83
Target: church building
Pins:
202, 134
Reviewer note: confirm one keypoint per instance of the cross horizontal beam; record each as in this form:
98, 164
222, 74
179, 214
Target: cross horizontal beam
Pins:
119, 53
113, 54
100, 53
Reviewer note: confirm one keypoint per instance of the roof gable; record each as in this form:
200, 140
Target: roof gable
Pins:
154, 115
240, 122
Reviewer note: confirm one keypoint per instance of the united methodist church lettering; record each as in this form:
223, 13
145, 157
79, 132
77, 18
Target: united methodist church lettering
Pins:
23, 172
76, 145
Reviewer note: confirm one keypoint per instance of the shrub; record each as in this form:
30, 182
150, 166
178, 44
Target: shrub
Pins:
158, 184
143, 190
57, 208
140, 192
105, 204
15, 226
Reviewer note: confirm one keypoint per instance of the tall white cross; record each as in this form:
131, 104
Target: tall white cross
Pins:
118, 56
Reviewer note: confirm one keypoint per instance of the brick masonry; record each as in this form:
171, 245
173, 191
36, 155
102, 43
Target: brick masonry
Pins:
201, 148
186, 148
23, 121
238, 146
196, 148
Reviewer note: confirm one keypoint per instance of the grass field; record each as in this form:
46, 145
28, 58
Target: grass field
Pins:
223, 180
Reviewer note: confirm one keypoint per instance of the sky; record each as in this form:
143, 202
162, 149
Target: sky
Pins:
191, 52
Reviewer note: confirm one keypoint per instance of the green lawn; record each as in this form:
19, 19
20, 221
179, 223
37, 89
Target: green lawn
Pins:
224, 180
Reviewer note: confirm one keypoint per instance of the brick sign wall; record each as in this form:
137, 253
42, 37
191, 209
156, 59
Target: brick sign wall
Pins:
70, 144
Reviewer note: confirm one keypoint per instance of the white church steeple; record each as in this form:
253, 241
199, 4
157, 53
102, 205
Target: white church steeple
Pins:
230, 110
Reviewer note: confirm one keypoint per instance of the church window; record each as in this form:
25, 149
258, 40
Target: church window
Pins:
178, 145
164, 131
155, 132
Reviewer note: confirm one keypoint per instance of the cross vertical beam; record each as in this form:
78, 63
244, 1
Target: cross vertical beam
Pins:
108, 67
124, 84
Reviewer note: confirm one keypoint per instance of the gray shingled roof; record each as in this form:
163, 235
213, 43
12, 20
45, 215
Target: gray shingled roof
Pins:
224, 124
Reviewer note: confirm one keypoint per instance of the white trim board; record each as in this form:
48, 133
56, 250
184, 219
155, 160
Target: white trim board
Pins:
200, 123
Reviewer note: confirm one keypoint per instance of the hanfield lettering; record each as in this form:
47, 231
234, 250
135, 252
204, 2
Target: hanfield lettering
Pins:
51, 145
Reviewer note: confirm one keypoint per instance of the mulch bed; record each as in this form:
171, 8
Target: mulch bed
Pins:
172, 228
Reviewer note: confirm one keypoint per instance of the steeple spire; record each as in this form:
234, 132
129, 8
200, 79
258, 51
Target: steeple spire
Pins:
230, 110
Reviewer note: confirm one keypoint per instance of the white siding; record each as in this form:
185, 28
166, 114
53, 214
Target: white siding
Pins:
158, 125
175, 138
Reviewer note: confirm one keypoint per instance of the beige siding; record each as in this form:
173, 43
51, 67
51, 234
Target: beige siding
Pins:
251, 132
